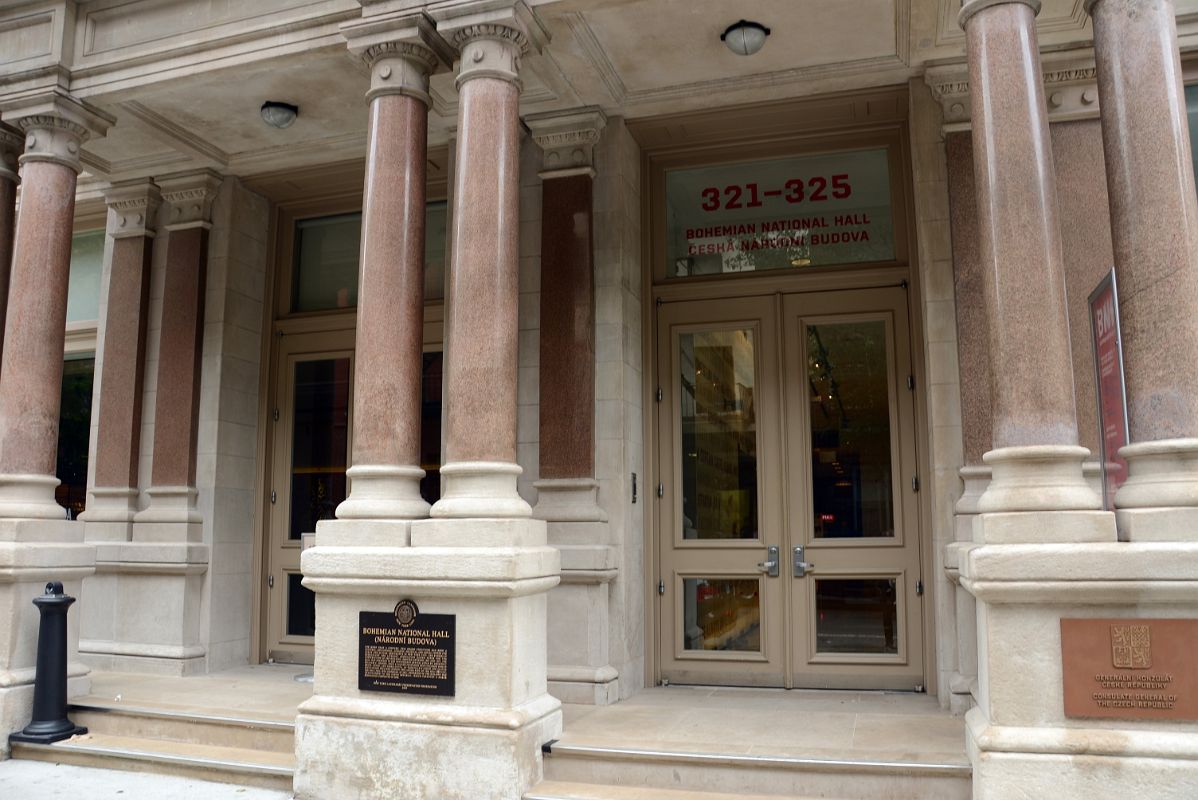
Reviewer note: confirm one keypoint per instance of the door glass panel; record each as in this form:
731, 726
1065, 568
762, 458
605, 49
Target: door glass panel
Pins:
320, 441
721, 614
719, 435
851, 475
430, 427
856, 615
301, 607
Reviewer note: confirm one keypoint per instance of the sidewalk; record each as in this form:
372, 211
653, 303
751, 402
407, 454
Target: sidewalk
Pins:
26, 780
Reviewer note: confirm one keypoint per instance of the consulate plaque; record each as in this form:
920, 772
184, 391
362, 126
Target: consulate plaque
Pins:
406, 651
1130, 668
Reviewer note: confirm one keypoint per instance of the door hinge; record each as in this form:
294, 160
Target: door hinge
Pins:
273, 497
915, 484
657, 394
911, 382
270, 581
275, 415
634, 487
919, 587
661, 586
661, 490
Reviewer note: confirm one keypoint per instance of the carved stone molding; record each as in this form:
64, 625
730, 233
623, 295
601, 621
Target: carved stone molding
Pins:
401, 49
134, 205
400, 68
567, 140
1070, 89
492, 37
189, 196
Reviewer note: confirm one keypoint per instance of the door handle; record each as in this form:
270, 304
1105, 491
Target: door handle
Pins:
770, 565
801, 567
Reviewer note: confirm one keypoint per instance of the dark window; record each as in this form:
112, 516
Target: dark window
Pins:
74, 430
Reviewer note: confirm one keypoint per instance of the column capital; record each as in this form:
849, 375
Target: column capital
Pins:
567, 140
11, 145
491, 37
55, 126
190, 196
401, 50
134, 204
971, 7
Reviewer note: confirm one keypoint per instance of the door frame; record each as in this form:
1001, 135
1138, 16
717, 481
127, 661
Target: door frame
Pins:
800, 124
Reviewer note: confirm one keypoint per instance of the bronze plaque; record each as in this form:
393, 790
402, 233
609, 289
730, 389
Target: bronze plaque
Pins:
1130, 668
406, 651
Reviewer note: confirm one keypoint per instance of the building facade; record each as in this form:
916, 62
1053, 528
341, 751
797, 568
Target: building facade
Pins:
847, 348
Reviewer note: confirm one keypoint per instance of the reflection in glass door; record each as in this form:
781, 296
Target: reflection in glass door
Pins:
789, 553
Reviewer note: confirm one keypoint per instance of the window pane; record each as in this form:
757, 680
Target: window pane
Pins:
327, 252
83, 286
719, 435
301, 607
856, 616
848, 381
74, 431
320, 442
721, 614
780, 213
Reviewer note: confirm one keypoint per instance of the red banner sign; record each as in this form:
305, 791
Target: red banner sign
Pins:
1112, 397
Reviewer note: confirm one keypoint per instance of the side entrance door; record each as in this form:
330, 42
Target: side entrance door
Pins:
788, 527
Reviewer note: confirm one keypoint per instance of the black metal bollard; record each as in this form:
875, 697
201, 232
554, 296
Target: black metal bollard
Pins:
50, 723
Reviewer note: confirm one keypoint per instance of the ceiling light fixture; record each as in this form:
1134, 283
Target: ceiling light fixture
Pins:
744, 37
279, 115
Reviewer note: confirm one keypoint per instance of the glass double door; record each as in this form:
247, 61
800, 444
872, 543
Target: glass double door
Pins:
788, 524
310, 439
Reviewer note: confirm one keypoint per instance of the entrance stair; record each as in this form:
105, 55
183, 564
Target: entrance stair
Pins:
250, 752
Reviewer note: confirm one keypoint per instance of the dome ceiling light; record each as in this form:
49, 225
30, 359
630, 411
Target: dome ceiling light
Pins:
279, 115
744, 37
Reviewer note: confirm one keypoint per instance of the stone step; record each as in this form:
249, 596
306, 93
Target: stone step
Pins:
227, 764
774, 776
222, 730
559, 790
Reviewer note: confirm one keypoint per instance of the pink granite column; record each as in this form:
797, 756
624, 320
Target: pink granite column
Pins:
1037, 462
171, 514
567, 490
385, 476
131, 221
11, 144
1154, 229
480, 322
31, 375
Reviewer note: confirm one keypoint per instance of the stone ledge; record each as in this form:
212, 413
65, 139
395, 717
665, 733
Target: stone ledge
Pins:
1120, 742
430, 712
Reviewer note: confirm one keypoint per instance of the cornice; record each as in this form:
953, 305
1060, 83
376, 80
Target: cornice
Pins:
567, 139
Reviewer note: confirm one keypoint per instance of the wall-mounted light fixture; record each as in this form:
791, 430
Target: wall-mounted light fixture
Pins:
744, 37
279, 115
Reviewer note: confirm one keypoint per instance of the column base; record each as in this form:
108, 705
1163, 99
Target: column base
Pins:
29, 497
484, 741
480, 490
117, 633
1038, 478
32, 553
111, 505
173, 504
1159, 500
579, 651
383, 492
568, 500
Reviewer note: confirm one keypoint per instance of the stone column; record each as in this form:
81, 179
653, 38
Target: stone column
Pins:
1036, 463
37, 543
567, 492
11, 144
385, 476
481, 559
132, 211
171, 515
1154, 229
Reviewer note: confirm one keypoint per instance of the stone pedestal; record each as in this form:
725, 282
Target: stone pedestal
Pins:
1019, 739
484, 743
33, 552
